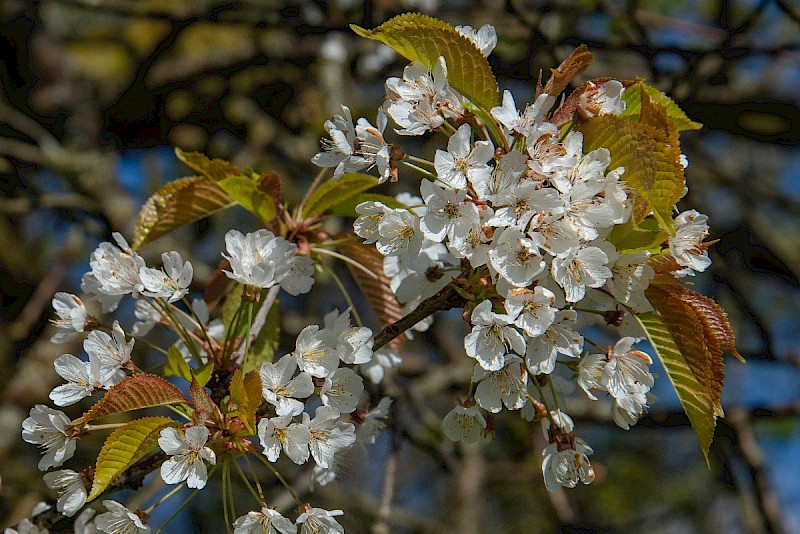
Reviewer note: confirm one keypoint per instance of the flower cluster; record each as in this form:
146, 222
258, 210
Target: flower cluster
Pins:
322, 375
520, 222
521, 218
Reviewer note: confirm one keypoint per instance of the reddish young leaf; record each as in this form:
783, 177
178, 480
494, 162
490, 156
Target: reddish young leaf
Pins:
133, 393
577, 62
204, 407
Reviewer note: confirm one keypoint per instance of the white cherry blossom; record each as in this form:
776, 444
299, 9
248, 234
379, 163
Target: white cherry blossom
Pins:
560, 338
339, 151
420, 101
120, 520
447, 214
373, 421
172, 281
82, 379
533, 311
464, 423
626, 370
319, 521
147, 317
49, 429
328, 435
281, 388
631, 277
314, 355
516, 257
72, 317
462, 162
279, 433
485, 38
492, 337
399, 233
342, 390
567, 466
116, 268
370, 215
352, 344
523, 124
265, 521
691, 228
112, 352
584, 268
507, 386
188, 456
516, 206
601, 100
261, 259
71, 488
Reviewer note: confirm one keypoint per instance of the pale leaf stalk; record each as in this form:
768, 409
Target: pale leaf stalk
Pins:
345, 294
344, 259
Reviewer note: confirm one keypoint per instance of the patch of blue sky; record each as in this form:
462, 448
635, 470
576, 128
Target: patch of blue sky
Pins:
781, 452
595, 26
668, 62
789, 181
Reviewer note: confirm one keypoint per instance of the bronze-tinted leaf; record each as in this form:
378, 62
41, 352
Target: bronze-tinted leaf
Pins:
183, 201
133, 393
376, 289
577, 62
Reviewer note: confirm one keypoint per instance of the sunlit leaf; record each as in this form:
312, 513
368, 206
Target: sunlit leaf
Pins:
247, 193
214, 169
180, 202
633, 100
176, 365
628, 237
652, 169
422, 38
124, 447
332, 193
246, 397
133, 393
696, 401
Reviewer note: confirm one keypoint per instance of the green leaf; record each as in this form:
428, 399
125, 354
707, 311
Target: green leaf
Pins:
422, 38
176, 365
633, 106
246, 397
247, 193
334, 192
124, 447
214, 169
628, 237
180, 202
133, 393
695, 401
348, 207
652, 165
